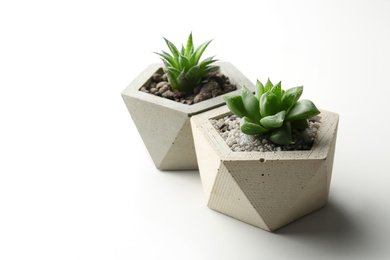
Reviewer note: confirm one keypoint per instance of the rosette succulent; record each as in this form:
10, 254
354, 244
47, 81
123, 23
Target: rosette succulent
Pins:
272, 110
183, 69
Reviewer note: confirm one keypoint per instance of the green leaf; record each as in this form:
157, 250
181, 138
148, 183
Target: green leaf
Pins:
300, 124
282, 135
268, 86
168, 58
269, 104
277, 90
192, 74
251, 104
235, 105
303, 109
172, 48
259, 90
207, 62
250, 128
274, 121
199, 51
172, 80
182, 50
189, 46
173, 71
290, 97
183, 84
184, 63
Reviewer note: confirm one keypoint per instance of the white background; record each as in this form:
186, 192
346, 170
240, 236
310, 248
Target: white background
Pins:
76, 181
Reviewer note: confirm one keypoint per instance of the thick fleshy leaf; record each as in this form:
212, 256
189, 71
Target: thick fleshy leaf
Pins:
192, 74
183, 51
251, 104
300, 124
277, 90
207, 62
168, 58
282, 135
172, 48
199, 51
269, 104
259, 90
189, 46
290, 97
172, 80
268, 86
303, 109
235, 105
274, 121
250, 128
173, 71
184, 63
183, 84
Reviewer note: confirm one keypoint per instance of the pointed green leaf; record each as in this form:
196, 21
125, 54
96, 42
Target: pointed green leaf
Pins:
192, 74
268, 86
168, 58
269, 104
184, 63
199, 51
235, 105
207, 61
251, 104
259, 90
277, 90
173, 71
250, 128
290, 97
274, 121
189, 46
303, 109
172, 80
282, 135
172, 48
182, 50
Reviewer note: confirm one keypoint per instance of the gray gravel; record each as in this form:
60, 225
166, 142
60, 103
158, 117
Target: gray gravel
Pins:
229, 129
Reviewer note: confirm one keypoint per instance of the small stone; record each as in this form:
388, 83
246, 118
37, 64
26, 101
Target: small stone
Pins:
164, 77
157, 77
197, 89
168, 94
189, 102
161, 84
144, 89
163, 89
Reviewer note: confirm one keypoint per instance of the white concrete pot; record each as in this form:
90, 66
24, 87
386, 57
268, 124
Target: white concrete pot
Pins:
265, 189
164, 124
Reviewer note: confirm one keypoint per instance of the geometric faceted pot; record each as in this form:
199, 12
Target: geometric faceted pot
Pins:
164, 125
264, 189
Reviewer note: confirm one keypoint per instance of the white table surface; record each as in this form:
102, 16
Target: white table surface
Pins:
76, 181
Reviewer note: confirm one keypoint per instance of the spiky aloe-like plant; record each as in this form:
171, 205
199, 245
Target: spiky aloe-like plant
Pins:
272, 110
183, 69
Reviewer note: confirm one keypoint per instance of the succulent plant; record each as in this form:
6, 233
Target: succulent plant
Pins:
183, 69
272, 110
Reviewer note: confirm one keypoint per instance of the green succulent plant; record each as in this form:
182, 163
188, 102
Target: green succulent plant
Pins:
272, 110
183, 69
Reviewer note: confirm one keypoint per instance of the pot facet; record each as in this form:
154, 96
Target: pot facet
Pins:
164, 125
265, 189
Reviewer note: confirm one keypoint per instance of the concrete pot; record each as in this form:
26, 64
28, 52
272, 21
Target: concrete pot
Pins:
265, 189
164, 125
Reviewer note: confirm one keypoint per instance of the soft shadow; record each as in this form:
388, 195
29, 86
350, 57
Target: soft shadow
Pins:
327, 227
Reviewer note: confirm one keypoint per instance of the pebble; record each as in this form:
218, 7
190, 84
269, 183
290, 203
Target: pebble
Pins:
229, 129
